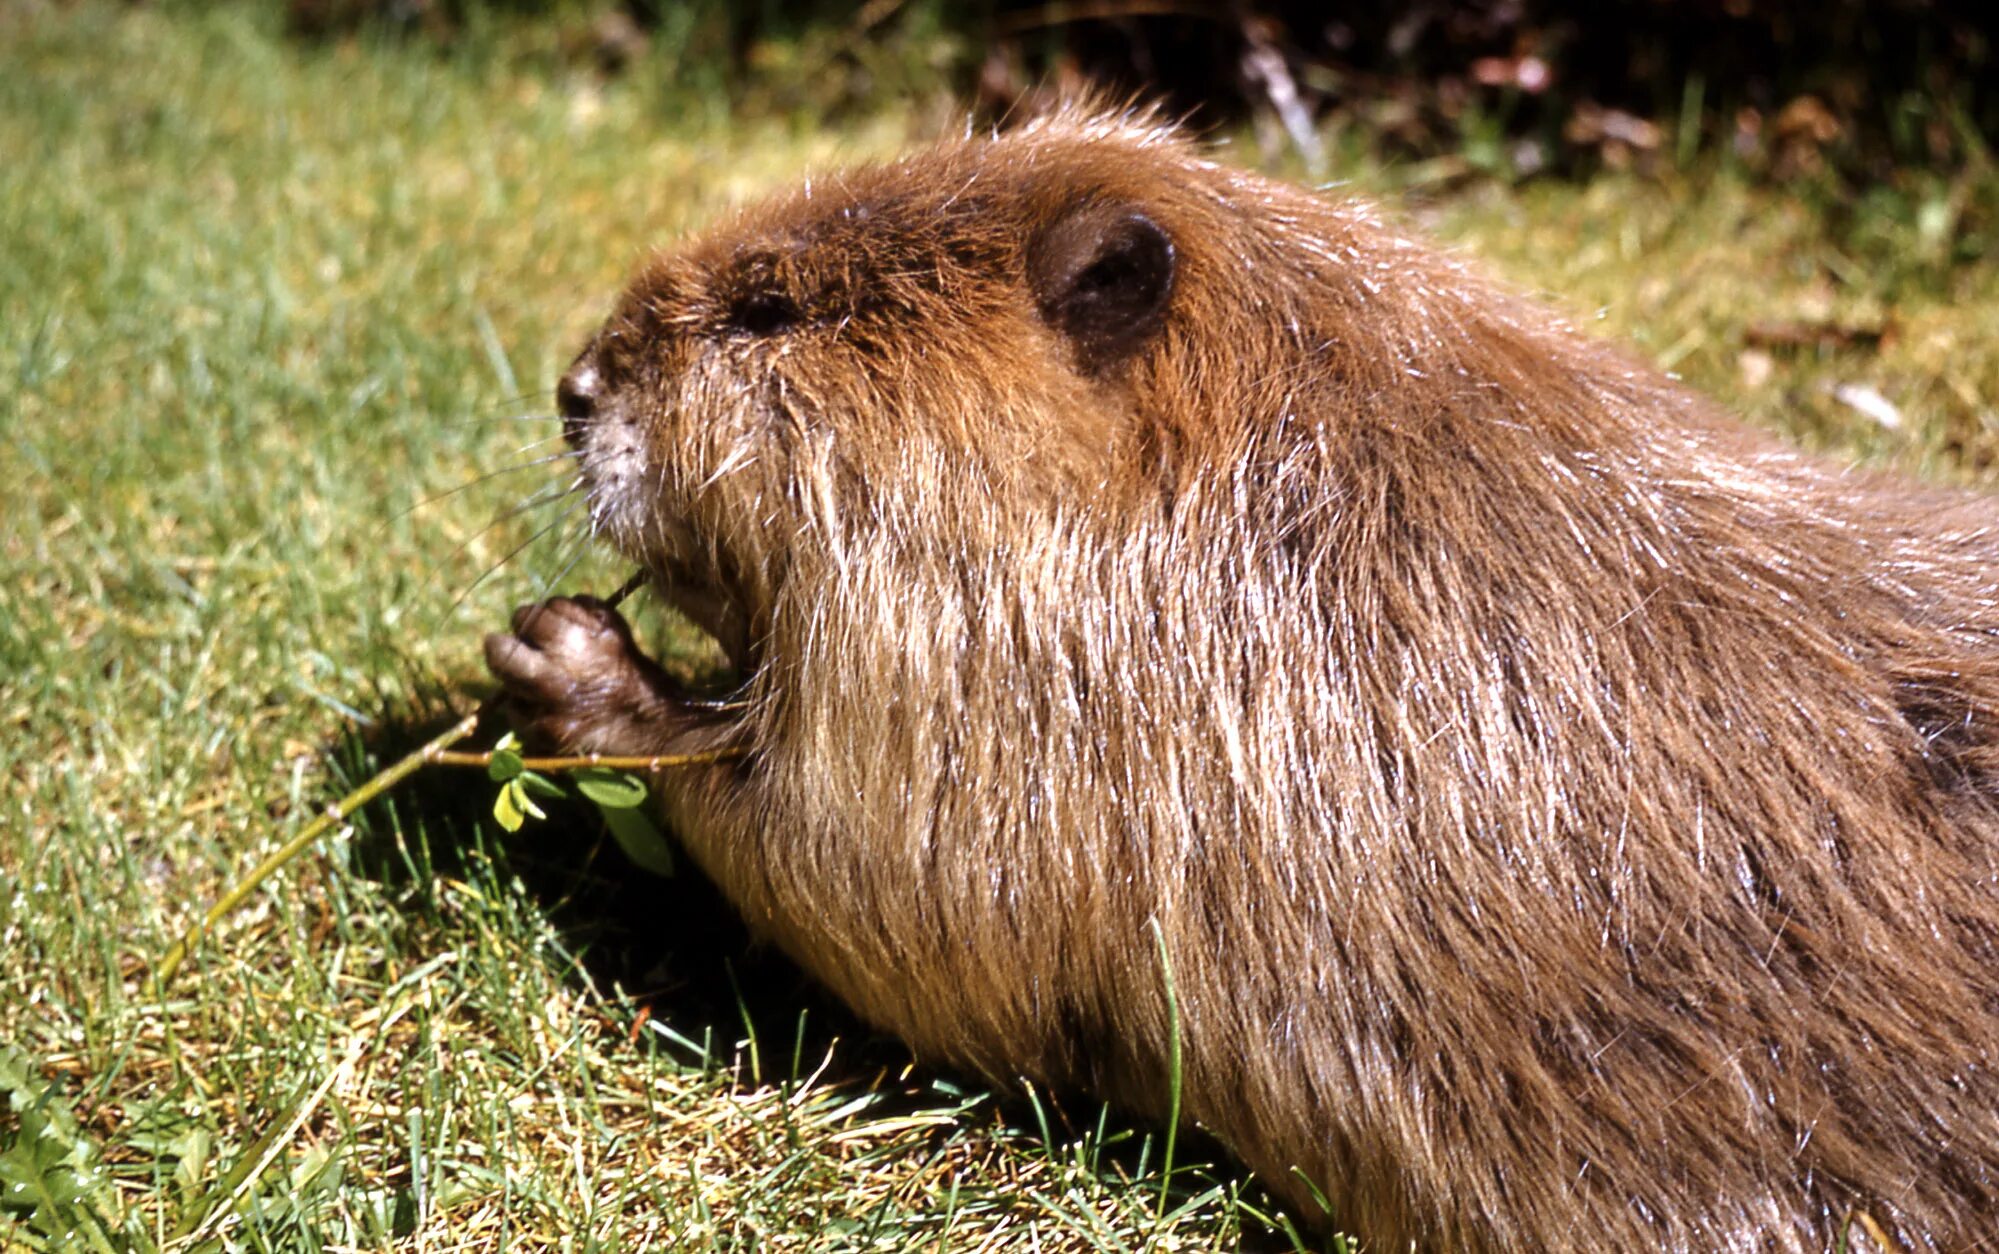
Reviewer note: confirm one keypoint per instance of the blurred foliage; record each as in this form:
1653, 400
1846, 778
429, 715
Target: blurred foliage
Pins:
1785, 86
1784, 89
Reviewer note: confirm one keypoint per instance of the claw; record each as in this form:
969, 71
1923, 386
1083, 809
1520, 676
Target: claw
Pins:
568, 671
573, 678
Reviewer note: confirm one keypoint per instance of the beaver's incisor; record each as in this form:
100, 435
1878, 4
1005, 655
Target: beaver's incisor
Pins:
1572, 819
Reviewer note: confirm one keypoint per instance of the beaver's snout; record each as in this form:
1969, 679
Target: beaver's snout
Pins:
577, 399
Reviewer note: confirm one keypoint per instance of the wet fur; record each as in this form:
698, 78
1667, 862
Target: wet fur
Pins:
1570, 817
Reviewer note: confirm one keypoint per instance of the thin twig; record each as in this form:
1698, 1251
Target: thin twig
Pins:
625, 589
336, 813
577, 762
437, 753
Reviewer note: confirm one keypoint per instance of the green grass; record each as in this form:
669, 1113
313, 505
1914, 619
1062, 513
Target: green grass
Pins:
258, 304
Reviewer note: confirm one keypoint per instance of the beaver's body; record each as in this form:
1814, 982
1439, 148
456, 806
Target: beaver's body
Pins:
1572, 821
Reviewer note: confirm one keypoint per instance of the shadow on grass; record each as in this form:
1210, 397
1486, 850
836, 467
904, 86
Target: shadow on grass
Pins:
678, 948
671, 943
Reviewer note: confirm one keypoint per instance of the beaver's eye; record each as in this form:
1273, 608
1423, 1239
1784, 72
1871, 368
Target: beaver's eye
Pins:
763, 313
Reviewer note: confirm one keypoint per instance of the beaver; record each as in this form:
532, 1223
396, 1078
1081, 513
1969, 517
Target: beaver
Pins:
1176, 608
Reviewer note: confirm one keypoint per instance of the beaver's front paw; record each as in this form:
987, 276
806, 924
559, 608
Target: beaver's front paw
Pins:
573, 679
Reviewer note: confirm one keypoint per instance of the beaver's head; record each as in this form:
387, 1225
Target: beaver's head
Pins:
1032, 323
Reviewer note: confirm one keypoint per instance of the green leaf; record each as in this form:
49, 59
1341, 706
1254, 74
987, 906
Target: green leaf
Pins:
540, 785
507, 807
51, 1182
611, 790
523, 800
641, 840
193, 1148
506, 764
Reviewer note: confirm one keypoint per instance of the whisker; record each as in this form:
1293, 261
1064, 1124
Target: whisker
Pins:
510, 402
474, 420
448, 493
576, 552
516, 551
545, 588
531, 445
546, 497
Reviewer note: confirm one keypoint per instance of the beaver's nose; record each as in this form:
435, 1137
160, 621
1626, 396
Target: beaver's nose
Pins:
576, 399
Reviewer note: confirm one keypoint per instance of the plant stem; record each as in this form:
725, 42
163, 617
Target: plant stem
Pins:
1174, 1063
625, 589
170, 962
579, 761
436, 753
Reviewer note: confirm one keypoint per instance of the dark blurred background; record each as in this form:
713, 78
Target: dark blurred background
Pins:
1845, 89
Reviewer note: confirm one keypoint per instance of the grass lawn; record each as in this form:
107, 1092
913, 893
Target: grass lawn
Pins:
265, 309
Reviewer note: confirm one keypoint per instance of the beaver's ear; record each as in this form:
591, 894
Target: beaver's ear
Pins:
1102, 276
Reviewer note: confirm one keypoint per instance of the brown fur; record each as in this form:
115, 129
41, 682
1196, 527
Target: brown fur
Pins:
1570, 817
